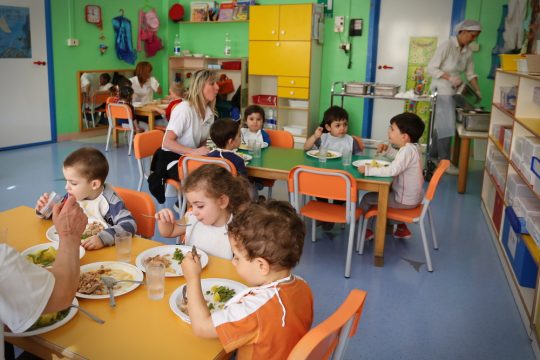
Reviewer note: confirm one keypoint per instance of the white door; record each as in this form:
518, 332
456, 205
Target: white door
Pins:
24, 85
399, 21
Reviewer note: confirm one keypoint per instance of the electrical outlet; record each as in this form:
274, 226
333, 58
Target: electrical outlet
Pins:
72, 42
339, 22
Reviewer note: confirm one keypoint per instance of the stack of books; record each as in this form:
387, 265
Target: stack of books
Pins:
235, 10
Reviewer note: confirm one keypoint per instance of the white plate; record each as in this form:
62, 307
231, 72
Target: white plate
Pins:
52, 235
56, 325
206, 284
125, 287
137, 104
382, 163
245, 146
174, 269
246, 157
40, 247
162, 106
331, 154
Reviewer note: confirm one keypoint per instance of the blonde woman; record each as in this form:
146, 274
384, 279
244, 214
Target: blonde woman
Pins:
190, 120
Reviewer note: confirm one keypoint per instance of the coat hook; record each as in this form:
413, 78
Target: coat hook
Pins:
121, 12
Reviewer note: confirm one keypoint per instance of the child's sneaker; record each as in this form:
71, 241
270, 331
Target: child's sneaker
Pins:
369, 235
402, 232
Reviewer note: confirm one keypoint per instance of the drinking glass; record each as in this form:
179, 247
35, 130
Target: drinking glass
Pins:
257, 149
54, 198
122, 243
323, 153
155, 280
251, 146
346, 158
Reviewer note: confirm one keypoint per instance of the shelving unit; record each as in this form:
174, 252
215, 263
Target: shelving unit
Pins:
285, 62
524, 121
182, 65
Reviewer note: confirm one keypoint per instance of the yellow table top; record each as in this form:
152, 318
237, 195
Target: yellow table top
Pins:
138, 328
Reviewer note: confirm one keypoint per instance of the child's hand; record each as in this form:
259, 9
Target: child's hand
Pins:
191, 267
382, 148
166, 215
362, 169
42, 201
92, 243
318, 132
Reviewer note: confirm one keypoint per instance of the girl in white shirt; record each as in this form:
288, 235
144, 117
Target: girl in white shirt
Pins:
215, 196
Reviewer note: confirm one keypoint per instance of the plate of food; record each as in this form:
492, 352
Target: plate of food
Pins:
44, 254
244, 146
371, 162
91, 286
48, 322
170, 255
246, 157
216, 293
331, 154
92, 228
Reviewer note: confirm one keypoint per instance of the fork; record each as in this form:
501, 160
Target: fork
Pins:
89, 314
153, 217
108, 280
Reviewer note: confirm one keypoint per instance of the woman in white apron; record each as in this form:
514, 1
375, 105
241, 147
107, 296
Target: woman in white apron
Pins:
452, 58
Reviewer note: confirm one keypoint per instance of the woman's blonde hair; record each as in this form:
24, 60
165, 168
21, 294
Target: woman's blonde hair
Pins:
195, 94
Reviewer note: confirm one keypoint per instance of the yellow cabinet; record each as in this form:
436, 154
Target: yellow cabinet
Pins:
293, 93
293, 81
285, 58
280, 22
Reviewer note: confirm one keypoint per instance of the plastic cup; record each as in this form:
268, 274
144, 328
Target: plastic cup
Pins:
122, 242
257, 149
251, 145
346, 158
155, 280
54, 199
323, 153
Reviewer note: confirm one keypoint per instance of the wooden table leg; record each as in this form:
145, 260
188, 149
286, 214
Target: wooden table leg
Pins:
463, 164
380, 227
151, 120
455, 150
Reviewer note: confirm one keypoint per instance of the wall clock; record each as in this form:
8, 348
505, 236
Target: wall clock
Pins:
93, 14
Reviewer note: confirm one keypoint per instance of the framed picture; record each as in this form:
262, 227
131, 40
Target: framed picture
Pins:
199, 11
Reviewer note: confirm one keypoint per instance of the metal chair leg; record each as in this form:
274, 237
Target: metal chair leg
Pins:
109, 132
433, 235
313, 229
426, 247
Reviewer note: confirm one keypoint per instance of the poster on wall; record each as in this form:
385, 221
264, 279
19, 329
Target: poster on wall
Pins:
421, 50
15, 32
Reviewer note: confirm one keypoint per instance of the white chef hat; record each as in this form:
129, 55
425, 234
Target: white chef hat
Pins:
468, 25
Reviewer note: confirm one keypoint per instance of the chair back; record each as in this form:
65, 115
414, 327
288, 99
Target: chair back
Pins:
139, 204
329, 339
100, 97
439, 171
147, 143
281, 138
119, 111
190, 163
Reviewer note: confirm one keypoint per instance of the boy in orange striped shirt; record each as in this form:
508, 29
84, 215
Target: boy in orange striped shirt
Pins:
266, 320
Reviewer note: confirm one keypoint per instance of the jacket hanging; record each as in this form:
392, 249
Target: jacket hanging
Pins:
122, 42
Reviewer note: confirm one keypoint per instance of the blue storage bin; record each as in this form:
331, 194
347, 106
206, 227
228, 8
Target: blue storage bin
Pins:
517, 223
522, 262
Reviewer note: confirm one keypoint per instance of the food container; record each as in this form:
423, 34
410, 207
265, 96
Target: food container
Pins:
385, 89
265, 100
295, 129
298, 103
474, 120
358, 88
231, 65
466, 97
533, 64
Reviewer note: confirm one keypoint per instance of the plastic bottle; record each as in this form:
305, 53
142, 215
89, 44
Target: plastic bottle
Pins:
176, 48
227, 50
271, 121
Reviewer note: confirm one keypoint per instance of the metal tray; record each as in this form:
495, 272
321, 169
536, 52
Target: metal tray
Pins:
385, 89
358, 88
474, 120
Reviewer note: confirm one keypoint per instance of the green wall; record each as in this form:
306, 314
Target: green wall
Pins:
68, 21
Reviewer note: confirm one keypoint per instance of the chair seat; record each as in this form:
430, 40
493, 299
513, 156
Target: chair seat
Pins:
324, 211
404, 215
173, 183
121, 128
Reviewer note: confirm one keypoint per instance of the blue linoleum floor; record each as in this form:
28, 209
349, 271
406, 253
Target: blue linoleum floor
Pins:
463, 310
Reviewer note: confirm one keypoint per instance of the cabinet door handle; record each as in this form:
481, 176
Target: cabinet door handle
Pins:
292, 92
277, 44
292, 82
273, 32
282, 32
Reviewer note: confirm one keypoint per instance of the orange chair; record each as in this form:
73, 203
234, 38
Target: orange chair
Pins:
189, 163
139, 204
329, 184
144, 146
115, 112
98, 98
330, 338
416, 215
280, 139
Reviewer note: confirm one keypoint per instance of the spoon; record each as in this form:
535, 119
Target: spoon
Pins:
89, 314
177, 223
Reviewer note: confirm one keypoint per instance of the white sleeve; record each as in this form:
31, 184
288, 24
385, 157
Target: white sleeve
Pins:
24, 290
397, 166
154, 84
469, 69
179, 119
434, 68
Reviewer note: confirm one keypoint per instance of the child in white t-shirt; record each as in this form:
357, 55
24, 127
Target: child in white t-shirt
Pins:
215, 196
407, 187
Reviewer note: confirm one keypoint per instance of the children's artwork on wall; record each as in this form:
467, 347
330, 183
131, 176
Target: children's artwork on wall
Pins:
15, 39
421, 50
